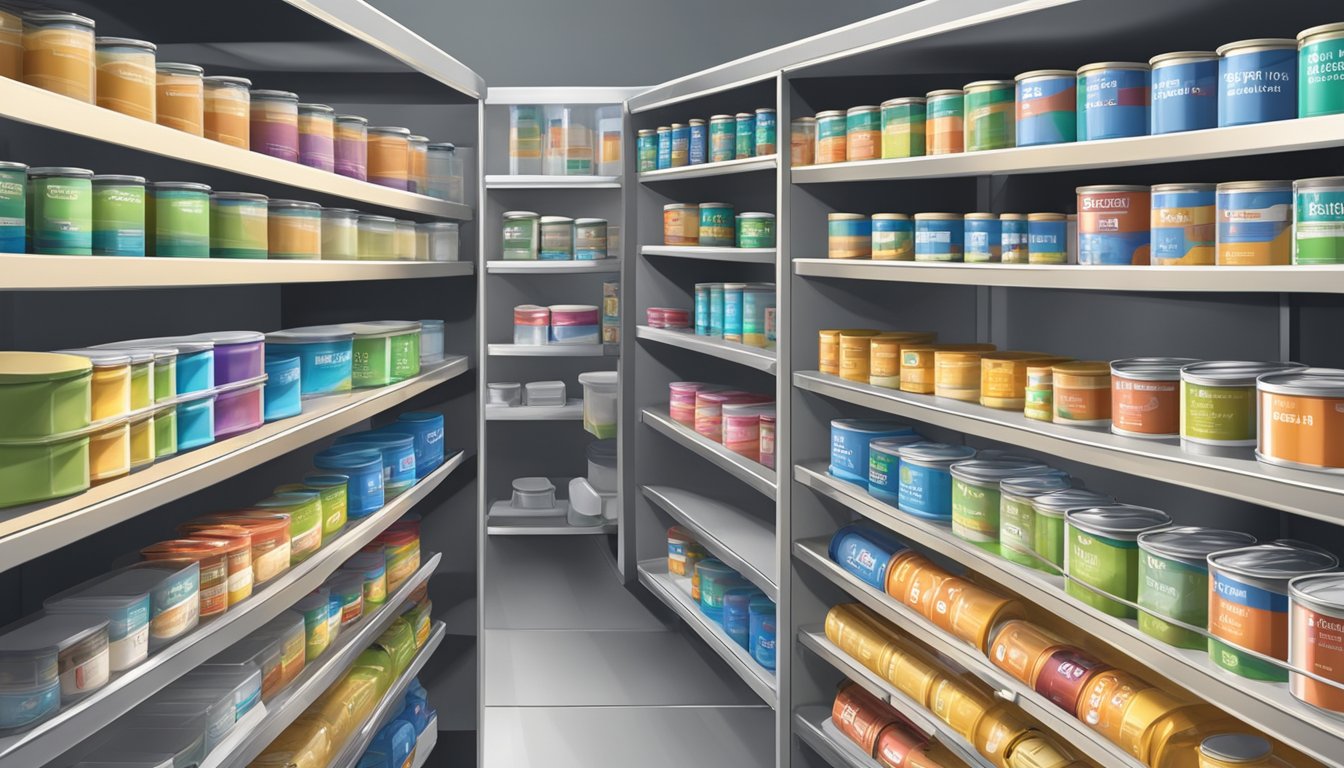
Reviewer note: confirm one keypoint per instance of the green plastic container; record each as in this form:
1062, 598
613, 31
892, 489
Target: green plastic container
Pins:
43, 394
1174, 580
1101, 550
385, 352
177, 220
42, 469
118, 215
60, 211
305, 521
238, 225
13, 207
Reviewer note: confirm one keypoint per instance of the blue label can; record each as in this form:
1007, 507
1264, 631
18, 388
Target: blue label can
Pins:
1013, 238
884, 466
866, 552
1183, 225
1112, 100
664, 147
983, 242
1184, 91
765, 131
716, 309
849, 445
746, 135
681, 145
1047, 238
926, 478
702, 308
1258, 81
14, 207
1047, 103
939, 237
732, 311
762, 637
722, 138
699, 150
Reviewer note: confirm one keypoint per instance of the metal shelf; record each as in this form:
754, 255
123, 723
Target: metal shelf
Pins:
1311, 494
36, 106
30, 531
752, 357
675, 592
814, 639
1213, 143
706, 253
812, 724
86, 717
538, 181
1267, 704
813, 553
741, 541
1294, 279
552, 525
705, 170
23, 272
753, 473
554, 350
522, 267
570, 411
425, 743
389, 704
316, 678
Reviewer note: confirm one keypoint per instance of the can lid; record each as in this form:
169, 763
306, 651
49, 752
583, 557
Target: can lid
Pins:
1312, 382
982, 216
1036, 485
983, 84
1275, 560
229, 337
372, 218
1111, 188
1012, 217
647, 132
1257, 44
1180, 57
179, 68
556, 220
390, 129
1323, 591
741, 115
228, 81
755, 215
57, 17
1236, 747
270, 95
845, 216
1183, 187
521, 215
1334, 29
319, 108
696, 121
352, 119
182, 186
863, 108
572, 308
1070, 498
1040, 73
310, 334
1320, 182
937, 216
373, 328
303, 205
1083, 368
765, 110
830, 113
116, 178
102, 358
716, 205
936, 452
416, 138
446, 146
680, 206
125, 42
893, 445
1232, 372
675, 126
804, 120
183, 344
60, 171
1151, 368
943, 92
1193, 544
664, 129
891, 217
994, 470
902, 101
1046, 217
252, 197
1117, 521
1101, 65
883, 427
1275, 185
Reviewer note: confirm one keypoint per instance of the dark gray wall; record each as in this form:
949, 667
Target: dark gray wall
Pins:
615, 42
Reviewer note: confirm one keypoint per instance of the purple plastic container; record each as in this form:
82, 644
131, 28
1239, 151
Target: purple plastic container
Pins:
317, 142
275, 124
239, 355
240, 408
352, 146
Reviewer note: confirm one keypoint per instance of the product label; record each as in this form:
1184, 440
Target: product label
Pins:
1017, 524
1183, 228
1250, 617
1321, 77
925, 491
1254, 229
1319, 233
268, 565
1317, 645
1109, 565
1145, 407
1218, 414
1170, 588
975, 512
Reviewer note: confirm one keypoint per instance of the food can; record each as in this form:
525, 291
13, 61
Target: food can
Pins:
664, 137
943, 127
1184, 91
914, 675
698, 150
884, 356
939, 236
1318, 220
1255, 221
1017, 516
1113, 224
803, 141
1235, 750
1101, 553
983, 239
959, 704
557, 238
1021, 648
1112, 100
765, 131
745, 136
956, 374
893, 237
755, 230
1104, 700
722, 138
1037, 751
1320, 70
13, 207
1316, 639
768, 440
925, 488
1065, 674
522, 235
990, 120
717, 225
1049, 511
1082, 393
855, 349
828, 348
884, 467
1258, 81
1174, 580
860, 716
863, 132
866, 552
1301, 415
849, 445
849, 236
1038, 396
1146, 396
1182, 227
969, 612
1013, 238
1248, 603
680, 150
976, 497
1218, 404
918, 363
60, 211
732, 311
647, 148
1047, 104
590, 239
681, 224
903, 127
1047, 238
119, 216
999, 732
1003, 377
832, 126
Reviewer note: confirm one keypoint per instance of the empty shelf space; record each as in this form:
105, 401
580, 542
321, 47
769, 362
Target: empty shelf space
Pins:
740, 540
753, 473
752, 357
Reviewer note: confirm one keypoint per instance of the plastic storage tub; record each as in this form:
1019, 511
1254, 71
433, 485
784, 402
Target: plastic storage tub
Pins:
602, 465
387, 351
283, 393
121, 597
238, 553
431, 341
398, 452
213, 575
600, 396
305, 520
426, 429
240, 407
270, 539
326, 353
50, 659
574, 324
364, 467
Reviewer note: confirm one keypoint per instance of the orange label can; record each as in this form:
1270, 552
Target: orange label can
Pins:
1302, 419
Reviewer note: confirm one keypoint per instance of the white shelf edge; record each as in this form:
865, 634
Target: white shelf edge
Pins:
573, 266
543, 525
570, 411
752, 357
707, 253
510, 95
703, 170
654, 575
712, 541
539, 181
811, 722
753, 473
553, 350
426, 741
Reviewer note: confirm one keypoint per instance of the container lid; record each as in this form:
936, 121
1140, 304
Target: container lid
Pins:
390, 129
1312, 382
251, 197
376, 219
675, 126
128, 585
1257, 44
545, 386
1231, 373
1012, 217
298, 204
556, 220
891, 217
1083, 368
1030, 486
572, 308
179, 68
680, 206
714, 567
446, 146
1117, 521
1182, 56
646, 132
599, 378
225, 80
1192, 544
937, 217
903, 100
861, 109
117, 178
1090, 188
714, 118
845, 216
1236, 747
124, 42
588, 222
602, 452
12, 166
741, 115
888, 445
1336, 28
354, 460
319, 108
105, 358
60, 171
1069, 498
748, 409
185, 186
51, 630
945, 92
1275, 560
982, 216
936, 452
22, 367
755, 215
375, 328
994, 470
192, 548
504, 386
182, 346
716, 205
1151, 368
352, 119
766, 110
804, 120
1046, 217
533, 485
1320, 182
1035, 73
1277, 185
269, 95
288, 500
981, 84
1323, 592
873, 426
54, 17
1101, 65
225, 338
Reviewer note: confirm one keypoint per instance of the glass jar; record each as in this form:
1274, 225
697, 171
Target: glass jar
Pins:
444, 168
180, 97
294, 230
238, 226
352, 146
228, 107
403, 247
126, 79
275, 124
376, 236
436, 241
58, 54
340, 234
390, 156
317, 136
417, 179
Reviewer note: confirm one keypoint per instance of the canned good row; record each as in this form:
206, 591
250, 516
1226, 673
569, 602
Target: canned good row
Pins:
1152, 725
743, 422
1238, 223
57, 51
1244, 82
529, 236
714, 225
743, 313
1286, 413
722, 138
565, 140
75, 212
746, 615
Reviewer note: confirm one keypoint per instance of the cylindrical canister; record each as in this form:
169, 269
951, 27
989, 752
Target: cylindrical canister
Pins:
893, 237
939, 237
1320, 70
1182, 229
803, 141
1047, 107
1255, 221
863, 133
1184, 91
989, 115
903, 122
849, 236
1258, 81
1113, 225
1112, 100
1318, 225
943, 128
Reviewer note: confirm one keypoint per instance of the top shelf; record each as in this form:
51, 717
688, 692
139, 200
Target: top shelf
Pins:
703, 170
1213, 143
35, 106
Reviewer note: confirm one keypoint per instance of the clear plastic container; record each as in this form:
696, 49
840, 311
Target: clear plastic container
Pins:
58, 54
587, 506
180, 97
506, 393
228, 110
600, 396
445, 180
609, 141
389, 156
315, 607
544, 393
122, 599
526, 139
178, 747
317, 136
275, 124
256, 652
347, 591
403, 243
569, 140
417, 177
352, 146
532, 493
376, 237
288, 630
80, 644
126, 76
436, 241
602, 465
340, 234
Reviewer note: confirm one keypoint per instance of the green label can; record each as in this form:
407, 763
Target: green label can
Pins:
1169, 587
722, 138
648, 150
903, 127
178, 221
13, 207
765, 131
717, 225
61, 211
1318, 231
745, 135
756, 230
1109, 565
1320, 61
990, 116
1223, 415
118, 216
238, 226
1017, 531
975, 511
521, 235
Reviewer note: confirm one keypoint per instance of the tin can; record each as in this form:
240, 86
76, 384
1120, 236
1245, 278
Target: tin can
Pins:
1013, 238
803, 141
1235, 750
1318, 226
1047, 238
745, 135
1258, 81
976, 497
956, 374
1248, 603
1218, 404
903, 127
765, 131
557, 238
983, 239
828, 348
732, 311
119, 216
717, 225
681, 145
1049, 522
918, 364
1082, 393
757, 298
1184, 91
1316, 639
716, 310
861, 716
590, 239
884, 357
13, 207
1146, 396
959, 704
925, 489
771, 327
1112, 100
832, 126
893, 237
755, 230
1020, 648
1039, 402
1047, 103
60, 211
664, 135
939, 236
990, 119
1017, 516
1003, 377
1064, 675
1301, 417
698, 150
1000, 731
1182, 229
849, 236
1254, 223
863, 133
944, 124
1174, 580
647, 146
702, 308
768, 440
681, 224
1113, 225
855, 348
1320, 70
722, 138
521, 235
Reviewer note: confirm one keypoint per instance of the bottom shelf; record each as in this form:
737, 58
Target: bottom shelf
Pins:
504, 520
813, 725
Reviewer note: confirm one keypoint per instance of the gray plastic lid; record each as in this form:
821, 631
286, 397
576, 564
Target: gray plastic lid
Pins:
1232, 373
226, 80
125, 42
117, 178
374, 328
1036, 485
310, 334
59, 171
247, 196
1069, 498
994, 470
230, 337
936, 453
106, 358
1275, 561
602, 452
186, 186
50, 630
179, 68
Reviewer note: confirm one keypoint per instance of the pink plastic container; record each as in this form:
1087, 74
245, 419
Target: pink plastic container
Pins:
668, 317
574, 314
742, 427
767, 443
317, 136
241, 408
681, 400
275, 124
709, 410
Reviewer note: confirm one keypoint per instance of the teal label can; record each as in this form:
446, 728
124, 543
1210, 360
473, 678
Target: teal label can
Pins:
1318, 232
765, 131
13, 207
1320, 80
118, 216
722, 138
61, 211
648, 150
746, 136
718, 225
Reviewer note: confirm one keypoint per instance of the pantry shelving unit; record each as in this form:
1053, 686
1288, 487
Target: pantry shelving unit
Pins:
354, 57
753, 473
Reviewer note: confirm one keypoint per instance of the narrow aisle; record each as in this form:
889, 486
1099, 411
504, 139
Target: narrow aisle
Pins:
578, 672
